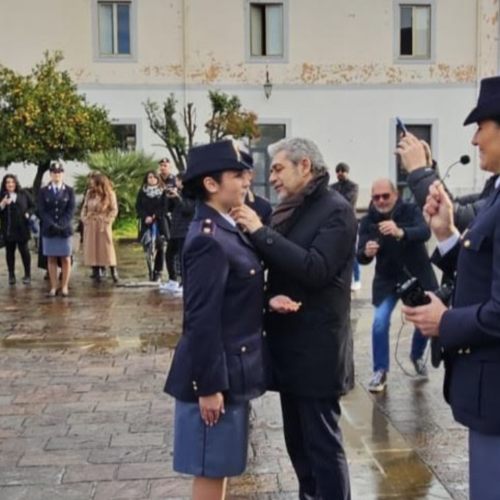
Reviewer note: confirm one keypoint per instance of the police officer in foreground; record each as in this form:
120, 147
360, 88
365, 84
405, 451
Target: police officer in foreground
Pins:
219, 364
470, 331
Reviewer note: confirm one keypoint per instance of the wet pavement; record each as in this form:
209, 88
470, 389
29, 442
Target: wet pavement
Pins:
83, 415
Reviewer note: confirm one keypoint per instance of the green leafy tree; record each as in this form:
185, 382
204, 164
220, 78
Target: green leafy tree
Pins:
126, 170
228, 119
44, 118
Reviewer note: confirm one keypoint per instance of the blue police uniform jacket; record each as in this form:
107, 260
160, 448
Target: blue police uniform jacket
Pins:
56, 211
222, 345
470, 332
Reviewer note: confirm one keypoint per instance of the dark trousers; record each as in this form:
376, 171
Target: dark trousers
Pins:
170, 260
314, 443
10, 257
160, 256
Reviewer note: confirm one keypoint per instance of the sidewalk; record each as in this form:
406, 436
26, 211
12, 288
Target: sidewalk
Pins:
83, 415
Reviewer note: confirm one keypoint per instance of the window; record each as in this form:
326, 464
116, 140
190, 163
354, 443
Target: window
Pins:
266, 25
269, 134
114, 28
266, 30
126, 136
423, 132
415, 28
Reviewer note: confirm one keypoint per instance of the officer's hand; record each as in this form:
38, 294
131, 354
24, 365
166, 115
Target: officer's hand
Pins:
246, 218
438, 212
211, 408
371, 248
412, 152
284, 305
390, 228
426, 318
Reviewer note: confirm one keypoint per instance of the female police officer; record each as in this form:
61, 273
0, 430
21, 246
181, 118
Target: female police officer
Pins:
218, 365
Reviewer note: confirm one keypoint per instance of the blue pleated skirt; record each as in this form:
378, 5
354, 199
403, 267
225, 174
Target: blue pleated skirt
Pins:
57, 246
214, 452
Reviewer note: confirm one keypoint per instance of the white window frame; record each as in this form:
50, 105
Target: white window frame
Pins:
398, 58
249, 58
114, 58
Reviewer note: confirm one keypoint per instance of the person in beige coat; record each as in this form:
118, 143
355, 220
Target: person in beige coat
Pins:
98, 213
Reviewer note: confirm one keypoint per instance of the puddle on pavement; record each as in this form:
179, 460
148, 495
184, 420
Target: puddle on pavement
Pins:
96, 316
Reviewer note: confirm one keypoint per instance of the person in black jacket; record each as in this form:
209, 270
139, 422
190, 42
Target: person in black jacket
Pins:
421, 177
56, 206
394, 233
151, 207
182, 208
349, 190
16, 207
309, 249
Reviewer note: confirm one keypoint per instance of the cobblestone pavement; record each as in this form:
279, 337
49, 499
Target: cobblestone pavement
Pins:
83, 415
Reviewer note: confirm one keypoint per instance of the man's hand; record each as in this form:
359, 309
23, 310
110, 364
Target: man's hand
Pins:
246, 218
148, 220
438, 212
390, 228
426, 318
211, 408
371, 248
283, 304
413, 152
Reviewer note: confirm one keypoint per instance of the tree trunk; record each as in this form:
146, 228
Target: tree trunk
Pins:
37, 183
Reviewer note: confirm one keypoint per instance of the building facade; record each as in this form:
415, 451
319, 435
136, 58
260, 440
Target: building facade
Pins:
340, 70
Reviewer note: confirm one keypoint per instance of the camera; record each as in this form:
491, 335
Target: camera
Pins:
412, 294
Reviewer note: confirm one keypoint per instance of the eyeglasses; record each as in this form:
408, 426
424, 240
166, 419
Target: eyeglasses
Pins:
383, 196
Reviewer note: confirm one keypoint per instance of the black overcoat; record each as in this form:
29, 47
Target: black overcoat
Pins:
311, 262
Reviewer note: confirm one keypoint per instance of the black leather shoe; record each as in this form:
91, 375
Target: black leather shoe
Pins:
114, 274
12, 279
26, 280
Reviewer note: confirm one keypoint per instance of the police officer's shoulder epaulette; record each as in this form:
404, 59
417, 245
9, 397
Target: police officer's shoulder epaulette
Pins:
208, 226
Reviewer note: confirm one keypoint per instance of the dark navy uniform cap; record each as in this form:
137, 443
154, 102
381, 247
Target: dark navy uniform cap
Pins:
215, 157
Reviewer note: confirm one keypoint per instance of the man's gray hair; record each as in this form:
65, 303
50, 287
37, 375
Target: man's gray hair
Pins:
298, 148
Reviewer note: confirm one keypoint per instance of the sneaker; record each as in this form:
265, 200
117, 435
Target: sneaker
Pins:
378, 381
170, 286
356, 286
420, 366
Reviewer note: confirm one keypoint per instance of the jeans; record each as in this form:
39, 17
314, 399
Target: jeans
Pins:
356, 270
380, 336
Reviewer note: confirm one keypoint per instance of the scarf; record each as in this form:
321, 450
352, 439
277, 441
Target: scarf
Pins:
283, 215
152, 191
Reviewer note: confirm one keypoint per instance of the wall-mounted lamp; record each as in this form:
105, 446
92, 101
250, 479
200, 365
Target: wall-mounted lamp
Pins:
268, 86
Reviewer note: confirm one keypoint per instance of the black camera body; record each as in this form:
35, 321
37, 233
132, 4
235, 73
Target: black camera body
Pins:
412, 294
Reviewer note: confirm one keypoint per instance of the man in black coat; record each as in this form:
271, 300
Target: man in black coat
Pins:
349, 190
393, 232
309, 248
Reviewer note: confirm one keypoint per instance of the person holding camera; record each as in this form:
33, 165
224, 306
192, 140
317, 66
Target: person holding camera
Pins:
16, 208
469, 332
422, 176
393, 233
56, 207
